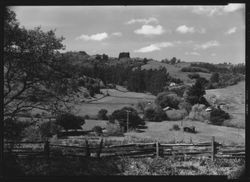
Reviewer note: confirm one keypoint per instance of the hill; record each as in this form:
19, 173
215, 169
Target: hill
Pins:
175, 70
234, 99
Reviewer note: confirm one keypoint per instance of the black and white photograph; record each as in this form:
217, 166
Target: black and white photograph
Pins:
115, 90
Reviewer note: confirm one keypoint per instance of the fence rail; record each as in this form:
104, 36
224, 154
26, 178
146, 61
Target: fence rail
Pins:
207, 149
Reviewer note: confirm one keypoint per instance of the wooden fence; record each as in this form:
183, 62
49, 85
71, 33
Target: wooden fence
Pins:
210, 149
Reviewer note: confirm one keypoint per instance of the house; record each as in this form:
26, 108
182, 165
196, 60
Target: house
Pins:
208, 109
172, 84
167, 108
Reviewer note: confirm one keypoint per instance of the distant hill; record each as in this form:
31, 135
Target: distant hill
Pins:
175, 70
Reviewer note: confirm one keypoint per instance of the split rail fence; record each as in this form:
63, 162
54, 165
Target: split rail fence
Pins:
211, 149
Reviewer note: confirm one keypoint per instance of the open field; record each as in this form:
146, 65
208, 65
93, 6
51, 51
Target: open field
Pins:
234, 98
175, 70
116, 100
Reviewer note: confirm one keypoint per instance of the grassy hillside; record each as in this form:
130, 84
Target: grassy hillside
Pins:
234, 98
175, 70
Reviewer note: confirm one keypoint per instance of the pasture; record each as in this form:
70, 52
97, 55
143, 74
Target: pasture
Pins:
234, 98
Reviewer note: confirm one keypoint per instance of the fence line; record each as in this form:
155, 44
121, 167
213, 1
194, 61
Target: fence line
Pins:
210, 149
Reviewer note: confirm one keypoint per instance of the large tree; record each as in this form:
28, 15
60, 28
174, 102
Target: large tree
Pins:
34, 72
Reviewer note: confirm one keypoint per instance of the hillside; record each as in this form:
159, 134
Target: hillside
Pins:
234, 99
175, 70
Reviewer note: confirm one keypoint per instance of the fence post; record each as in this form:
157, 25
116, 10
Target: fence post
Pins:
157, 149
87, 148
100, 149
213, 150
46, 149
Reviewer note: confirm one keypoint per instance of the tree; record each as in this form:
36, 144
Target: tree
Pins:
70, 121
34, 71
133, 117
165, 99
195, 93
102, 114
215, 77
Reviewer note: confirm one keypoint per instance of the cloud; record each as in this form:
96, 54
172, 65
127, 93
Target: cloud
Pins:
94, 37
231, 31
150, 30
207, 45
213, 54
192, 53
144, 21
183, 29
119, 34
217, 10
233, 7
155, 47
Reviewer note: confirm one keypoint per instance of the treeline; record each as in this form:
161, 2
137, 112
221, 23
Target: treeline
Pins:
222, 68
134, 79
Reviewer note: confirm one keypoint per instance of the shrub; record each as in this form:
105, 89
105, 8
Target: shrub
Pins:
86, 117
114, 129
185, 105
102, 114
193, 76
97, 130
155, 114
32, 134
179, 90
48, 129
218, 116
215, 77
70, 121
176, 127
121, 116
13, 129
194, 69
141, 105
198, 113
176, 114
165, 99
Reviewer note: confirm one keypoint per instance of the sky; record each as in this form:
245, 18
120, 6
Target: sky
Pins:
191, 33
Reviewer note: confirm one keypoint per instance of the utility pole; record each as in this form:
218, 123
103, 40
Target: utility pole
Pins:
127, 118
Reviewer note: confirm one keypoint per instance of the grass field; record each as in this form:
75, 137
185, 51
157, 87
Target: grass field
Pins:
234, 98
175, 70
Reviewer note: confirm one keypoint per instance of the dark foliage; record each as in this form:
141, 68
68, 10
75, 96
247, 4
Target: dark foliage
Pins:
195, 93
194, 76
155, 114
102, 114
215, 77
194, 69
70, 121
97, 130
133, 117
165, 99
218, 116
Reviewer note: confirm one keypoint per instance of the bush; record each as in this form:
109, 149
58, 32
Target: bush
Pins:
165, 99
176, 127
186, 106
86, 117
176, 114
32, 134
193, 76
218, 116
13, 129
70, 121
121, 116
198, 113
97, 130
155, 114
48, 129
114, 129
141, 105
102, 114
179, 90
194, 69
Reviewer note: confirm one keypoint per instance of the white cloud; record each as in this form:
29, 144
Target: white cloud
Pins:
155, 47
144, 20
184, 29
150, 30
231, 31
233, 7
217, 10
95, 37
192, 53
119, 34
207, 45
213, 54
